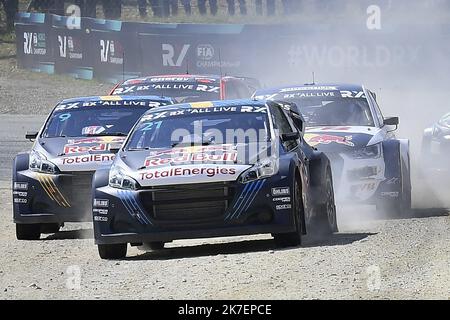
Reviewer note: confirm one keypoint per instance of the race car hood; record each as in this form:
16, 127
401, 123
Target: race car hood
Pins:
342, 139
79, 153
185, 165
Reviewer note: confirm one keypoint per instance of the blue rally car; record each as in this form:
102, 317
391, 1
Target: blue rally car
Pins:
370, 164
212, 169
52, 182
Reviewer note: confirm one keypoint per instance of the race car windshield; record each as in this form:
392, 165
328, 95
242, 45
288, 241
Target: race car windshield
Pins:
339, 112
91, 121
191, 130
180, 92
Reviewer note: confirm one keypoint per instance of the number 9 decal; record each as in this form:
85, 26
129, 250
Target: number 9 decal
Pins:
64, 117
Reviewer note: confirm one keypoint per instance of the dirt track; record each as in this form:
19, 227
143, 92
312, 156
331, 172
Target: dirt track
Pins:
369, 259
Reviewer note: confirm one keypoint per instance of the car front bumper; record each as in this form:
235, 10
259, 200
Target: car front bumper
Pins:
357, 180
46, 198
168, 213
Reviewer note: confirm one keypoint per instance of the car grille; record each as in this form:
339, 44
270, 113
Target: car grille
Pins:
194, 203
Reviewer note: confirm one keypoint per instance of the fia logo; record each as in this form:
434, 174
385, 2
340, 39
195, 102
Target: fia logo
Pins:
168, 55
205, 51
62, 40
28, 42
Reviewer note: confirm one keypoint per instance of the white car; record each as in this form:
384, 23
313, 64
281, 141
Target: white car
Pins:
370, 165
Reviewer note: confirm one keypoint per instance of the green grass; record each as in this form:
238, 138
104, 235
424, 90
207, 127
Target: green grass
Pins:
7, 45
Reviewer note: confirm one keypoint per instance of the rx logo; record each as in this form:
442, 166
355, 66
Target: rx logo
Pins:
62, 40
28, 42
168, 55
106, 49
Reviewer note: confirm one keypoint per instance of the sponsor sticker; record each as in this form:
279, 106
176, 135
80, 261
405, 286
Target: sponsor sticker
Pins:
282, 191
89, 158
108, 103
316, 139
100, 211
282, 199
310, 88
164, 114
283, 206
20, 200
20, 185
390, 194
200, 105
100, 219
192, 158
393, 181
187, 172
104, 203
69, 149
20, 193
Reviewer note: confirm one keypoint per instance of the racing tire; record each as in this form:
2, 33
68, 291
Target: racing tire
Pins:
156, 245
50, 227
28, 231
324, 221
293, 239
112, 251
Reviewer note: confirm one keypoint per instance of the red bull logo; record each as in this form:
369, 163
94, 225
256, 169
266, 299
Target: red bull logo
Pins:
317, 139
83, 149
96, 144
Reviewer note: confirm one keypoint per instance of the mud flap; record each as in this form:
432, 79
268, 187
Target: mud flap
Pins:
20, 163
391, 188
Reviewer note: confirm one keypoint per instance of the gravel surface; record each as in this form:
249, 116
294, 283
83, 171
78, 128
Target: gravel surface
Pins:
24, 92
370, 258
401, 259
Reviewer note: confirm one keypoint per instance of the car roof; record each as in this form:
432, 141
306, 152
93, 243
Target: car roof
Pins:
312, 87
182, 78
209, 104
116, 98
173, 78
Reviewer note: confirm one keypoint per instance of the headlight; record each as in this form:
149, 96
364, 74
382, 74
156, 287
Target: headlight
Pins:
39, 163
264, 169
117, 179
370, 152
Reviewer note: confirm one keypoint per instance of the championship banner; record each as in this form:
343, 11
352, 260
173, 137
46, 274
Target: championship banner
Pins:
70, 53
33, 42
113, 49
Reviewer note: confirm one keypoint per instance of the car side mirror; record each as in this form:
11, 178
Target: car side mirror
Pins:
115, 148
391, 121
291, 136
31, 135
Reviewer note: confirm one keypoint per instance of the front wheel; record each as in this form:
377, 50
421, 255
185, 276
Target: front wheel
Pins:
112, 251
293, 239
28, 231
324, 221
